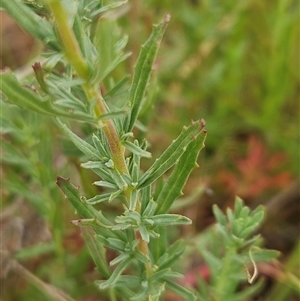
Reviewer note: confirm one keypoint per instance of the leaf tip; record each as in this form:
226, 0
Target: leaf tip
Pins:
60, 180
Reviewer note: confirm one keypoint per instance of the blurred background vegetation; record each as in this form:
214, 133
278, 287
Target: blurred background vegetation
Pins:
233, 63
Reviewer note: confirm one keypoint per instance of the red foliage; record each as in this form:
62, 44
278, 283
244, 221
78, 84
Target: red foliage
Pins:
257, 172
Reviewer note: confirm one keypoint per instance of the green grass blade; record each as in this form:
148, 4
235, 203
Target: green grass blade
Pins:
175, 183
171, 155
142, 72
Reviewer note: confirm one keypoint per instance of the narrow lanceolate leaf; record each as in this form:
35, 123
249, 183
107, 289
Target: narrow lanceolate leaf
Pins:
116, 274
98, 199
171, 255
171, 155
96, 250
142, 72
113, 115
84, 210
27, 99
219, 215
170, 220
136, 149
175, 183
180, 290
85, 147
35, 25
72, 193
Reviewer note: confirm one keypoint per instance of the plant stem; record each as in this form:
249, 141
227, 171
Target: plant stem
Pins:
68, 39
76, 59
74, 56
143, 247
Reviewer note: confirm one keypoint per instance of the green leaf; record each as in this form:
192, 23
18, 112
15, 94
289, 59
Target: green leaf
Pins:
116, 244
136, 149
99, 144
72, 193
248, 292
214, 263
60, 88
96, 250
35, 25
86, 211
158, 247
250, 229
92, 223
113, 115
98, 199
180, 290
145, 198
171, 255
116, 274
150, 209
159, 274
219, 215
118, 179
171, 155
93, 165
111, 52
105, 8
142, 72
141, 257
35, 251
257, 216
13, 156
261, 255
170, 220
230, 215
116, 89
85, 147
18, 186
144, 232
27, 99
85, 44
118, 259
244, 212
175, 183
100, 169
238, 206
135, 173
133, 199
103, 241
105, 184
